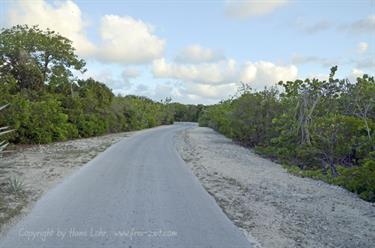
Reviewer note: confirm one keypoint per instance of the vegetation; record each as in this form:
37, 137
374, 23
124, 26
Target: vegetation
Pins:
47, 103
183, 112
318, 128
15, 186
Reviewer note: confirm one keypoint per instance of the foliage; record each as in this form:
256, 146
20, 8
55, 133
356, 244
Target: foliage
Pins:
35, 57
48, 104
324, 128
15, 186
186, 112
360, 180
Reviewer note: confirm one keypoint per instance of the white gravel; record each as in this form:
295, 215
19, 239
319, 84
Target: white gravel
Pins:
271, 205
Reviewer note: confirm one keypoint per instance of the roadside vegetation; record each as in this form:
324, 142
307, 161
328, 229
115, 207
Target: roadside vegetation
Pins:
322, 129
318, 128
42, 100
47, 103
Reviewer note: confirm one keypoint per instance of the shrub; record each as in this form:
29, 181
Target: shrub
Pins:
360, 180
15, 186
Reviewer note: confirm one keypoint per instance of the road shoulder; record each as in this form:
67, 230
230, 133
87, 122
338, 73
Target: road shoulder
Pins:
275, 207
28, 172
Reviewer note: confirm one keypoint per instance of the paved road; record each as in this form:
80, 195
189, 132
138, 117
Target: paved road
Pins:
138, 193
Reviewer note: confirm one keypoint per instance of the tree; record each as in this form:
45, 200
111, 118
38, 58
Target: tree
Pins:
252, 114
307, 95
334, 137
364, 101
34, 57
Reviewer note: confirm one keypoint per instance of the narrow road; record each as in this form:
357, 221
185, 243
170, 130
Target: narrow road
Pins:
138, 193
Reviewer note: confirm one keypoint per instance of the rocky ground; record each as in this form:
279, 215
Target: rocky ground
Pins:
26, 172
271, 205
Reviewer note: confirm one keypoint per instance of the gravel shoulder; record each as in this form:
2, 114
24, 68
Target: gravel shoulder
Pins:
37, 168
275, 208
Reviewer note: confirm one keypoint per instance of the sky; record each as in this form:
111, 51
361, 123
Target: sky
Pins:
201, 51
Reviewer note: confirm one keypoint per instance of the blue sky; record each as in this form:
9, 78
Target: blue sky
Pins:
200, 51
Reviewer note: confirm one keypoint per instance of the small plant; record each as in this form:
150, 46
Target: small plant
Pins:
15, 186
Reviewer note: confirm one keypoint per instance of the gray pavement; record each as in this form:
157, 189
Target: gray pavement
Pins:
138, 193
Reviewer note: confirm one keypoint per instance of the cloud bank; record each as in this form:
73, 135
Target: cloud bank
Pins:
220, 79
123, 39
198, 54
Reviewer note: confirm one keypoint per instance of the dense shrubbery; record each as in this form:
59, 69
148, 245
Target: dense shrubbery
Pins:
186, 112
55, 117
322, 129
46, 103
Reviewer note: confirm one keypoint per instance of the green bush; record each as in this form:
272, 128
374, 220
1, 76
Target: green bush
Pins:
46, 123
325, 129
360, 180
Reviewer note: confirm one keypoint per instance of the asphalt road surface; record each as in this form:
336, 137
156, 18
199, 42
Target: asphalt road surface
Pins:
138, 193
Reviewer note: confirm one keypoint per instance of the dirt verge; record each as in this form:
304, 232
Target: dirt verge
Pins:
275, 207
29, 171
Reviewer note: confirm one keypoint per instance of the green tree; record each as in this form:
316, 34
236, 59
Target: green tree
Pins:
35, 57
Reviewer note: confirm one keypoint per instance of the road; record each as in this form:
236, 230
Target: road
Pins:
138, 193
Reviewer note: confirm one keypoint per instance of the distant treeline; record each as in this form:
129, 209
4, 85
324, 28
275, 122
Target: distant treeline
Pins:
47, 103
318, 128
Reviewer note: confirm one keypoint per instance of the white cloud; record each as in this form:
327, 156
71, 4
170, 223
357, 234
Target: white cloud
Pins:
197, 54
357, 72
126, 75
190, 92
368, 62
324, 62
118, 83
63, 17
319, 76
222, 79
362, 47
312, 28
123, 40
250, 8
167, 89
206, 91
208, 73
262, 73
128, 41
141, 88
130, 72
364, 25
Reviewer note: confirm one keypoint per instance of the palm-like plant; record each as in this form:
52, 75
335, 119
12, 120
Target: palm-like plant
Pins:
4, 130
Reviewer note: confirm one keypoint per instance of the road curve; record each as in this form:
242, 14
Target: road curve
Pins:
138, 193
